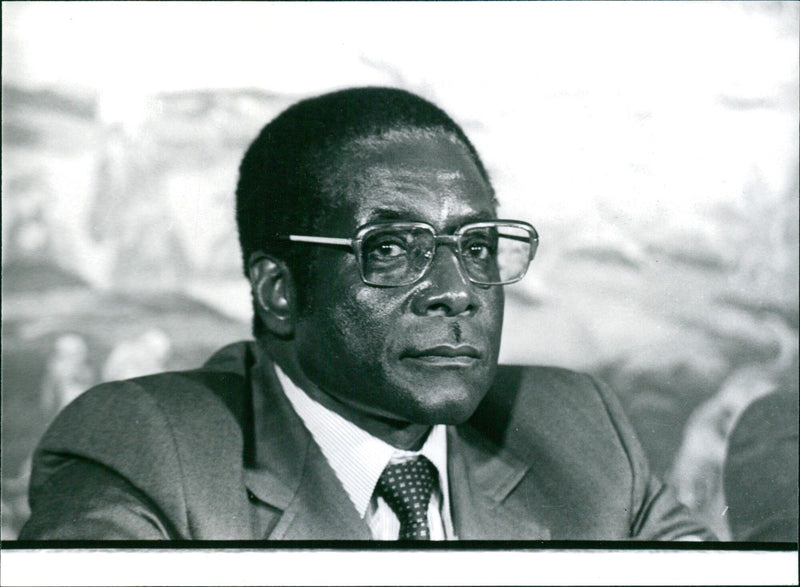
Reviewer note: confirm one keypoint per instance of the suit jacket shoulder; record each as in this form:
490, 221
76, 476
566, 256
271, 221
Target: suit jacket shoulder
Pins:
586, 475
175, 438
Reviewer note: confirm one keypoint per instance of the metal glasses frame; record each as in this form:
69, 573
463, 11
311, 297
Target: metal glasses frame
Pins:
453, 240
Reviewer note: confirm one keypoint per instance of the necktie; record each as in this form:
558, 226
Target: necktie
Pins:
407, 488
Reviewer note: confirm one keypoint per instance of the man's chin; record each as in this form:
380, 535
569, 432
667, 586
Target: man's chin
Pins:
424, 397
448, 417
445, 406
443, 395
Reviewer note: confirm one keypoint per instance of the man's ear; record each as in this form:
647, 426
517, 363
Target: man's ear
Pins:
273, 293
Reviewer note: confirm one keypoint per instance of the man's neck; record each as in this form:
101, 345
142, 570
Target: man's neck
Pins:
403, 435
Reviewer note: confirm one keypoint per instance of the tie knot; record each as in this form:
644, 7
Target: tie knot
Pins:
407, 488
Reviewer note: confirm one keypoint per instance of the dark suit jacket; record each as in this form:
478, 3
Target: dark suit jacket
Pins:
218, 453
760, 470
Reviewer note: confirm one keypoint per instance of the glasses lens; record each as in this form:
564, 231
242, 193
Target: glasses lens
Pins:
497, 253
396, 254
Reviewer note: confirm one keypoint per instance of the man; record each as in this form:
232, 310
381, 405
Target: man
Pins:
371, 405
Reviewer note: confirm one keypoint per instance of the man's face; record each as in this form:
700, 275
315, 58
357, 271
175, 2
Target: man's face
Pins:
424, 353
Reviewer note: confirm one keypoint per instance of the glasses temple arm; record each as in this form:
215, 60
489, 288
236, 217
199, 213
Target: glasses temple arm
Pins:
321, 240
522, 239
316, 240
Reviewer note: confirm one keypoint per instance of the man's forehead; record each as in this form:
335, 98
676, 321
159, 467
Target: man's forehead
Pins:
443, 199
407, 163
425, 150
424, 178
409, 177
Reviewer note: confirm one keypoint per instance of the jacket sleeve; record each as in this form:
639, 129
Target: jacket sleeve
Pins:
656, 513
106, 469
84, 500
153, 457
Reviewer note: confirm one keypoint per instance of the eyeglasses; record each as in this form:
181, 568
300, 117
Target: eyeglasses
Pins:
393, 254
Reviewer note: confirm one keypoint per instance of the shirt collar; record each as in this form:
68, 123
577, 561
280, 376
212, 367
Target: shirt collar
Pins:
357, 457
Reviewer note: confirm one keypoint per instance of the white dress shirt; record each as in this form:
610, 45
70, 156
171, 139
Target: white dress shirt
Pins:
358, 459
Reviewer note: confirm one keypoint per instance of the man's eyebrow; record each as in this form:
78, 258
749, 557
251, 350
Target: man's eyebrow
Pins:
392, 214
483, 216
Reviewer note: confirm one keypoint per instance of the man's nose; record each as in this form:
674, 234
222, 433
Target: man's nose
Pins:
447, 291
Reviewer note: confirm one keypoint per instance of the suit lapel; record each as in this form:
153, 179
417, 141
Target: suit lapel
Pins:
290, 473
482, 475
321, 509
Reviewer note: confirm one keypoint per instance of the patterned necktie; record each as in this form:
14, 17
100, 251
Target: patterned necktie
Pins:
407, 488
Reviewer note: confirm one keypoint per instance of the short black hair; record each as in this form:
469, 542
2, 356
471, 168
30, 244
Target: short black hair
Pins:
281, 176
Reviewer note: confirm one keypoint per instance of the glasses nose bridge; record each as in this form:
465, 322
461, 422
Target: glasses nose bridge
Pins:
447, 239
453, 241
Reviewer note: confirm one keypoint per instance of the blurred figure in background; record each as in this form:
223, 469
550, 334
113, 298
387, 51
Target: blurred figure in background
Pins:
760, 471
144, 355
27, 234
15, 507
68, 374
697, 471
6, 532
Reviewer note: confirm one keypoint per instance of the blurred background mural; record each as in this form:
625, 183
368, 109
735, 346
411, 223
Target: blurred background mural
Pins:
654, 146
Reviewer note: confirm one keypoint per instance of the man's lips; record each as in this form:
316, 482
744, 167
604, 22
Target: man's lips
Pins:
444, 354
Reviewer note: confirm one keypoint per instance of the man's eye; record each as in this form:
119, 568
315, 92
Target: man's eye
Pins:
479, 249
388, 249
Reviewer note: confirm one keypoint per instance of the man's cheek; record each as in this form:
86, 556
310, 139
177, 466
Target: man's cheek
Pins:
372, 311
361, 332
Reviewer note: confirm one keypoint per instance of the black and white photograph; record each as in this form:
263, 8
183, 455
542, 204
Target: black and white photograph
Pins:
213, 336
